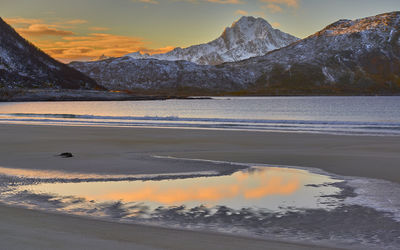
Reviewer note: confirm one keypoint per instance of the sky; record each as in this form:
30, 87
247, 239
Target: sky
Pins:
86, 29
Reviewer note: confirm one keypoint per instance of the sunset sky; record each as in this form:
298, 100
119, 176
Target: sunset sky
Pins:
86, 29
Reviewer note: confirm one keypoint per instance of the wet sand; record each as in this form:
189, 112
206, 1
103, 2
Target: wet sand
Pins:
26, 229
129, 151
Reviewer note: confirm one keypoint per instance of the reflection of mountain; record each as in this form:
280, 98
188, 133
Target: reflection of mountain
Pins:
248, 37
347, 57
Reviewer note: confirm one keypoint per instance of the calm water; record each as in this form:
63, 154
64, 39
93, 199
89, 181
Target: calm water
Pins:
343, 115
270, 188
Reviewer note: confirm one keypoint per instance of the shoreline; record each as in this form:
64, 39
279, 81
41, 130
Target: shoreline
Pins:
64, 95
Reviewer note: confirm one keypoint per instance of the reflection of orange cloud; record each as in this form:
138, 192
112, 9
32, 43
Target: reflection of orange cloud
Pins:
274, 186
244, 185
176, 195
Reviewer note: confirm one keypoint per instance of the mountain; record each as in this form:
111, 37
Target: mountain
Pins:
152, 76
347, 57
22, 65
248, 37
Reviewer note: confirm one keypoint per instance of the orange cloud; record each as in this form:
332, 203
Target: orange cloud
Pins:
226, 1
43, 30
98, 28
274, 8
57, 40
209, 1
37, 27
20, 20
95, 45
147, 1
76, 21
276, 24
156, 51
277, 5
289, 3
242, 12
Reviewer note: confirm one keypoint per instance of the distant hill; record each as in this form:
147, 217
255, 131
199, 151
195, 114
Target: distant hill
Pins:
347, 57
247, 37
22, 65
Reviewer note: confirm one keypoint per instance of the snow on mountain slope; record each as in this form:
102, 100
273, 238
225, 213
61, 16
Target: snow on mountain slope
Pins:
347, 57
248, 37
352, 56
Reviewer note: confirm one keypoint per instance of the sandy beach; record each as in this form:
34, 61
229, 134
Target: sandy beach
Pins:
130, 150
26, 229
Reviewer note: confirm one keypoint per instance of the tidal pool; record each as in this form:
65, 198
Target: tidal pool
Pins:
270, 188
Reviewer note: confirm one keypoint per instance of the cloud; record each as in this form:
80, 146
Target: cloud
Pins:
43, 30
98, 28
76, 21
226, 1
274, 8
94, 45
57, 40
37, 27
20, 20
242, 12
278, 5
147, 1
207, 1
276, 24
156, 51
289, 3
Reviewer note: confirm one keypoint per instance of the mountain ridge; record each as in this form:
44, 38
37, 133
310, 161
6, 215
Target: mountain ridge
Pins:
347, 57
245, 38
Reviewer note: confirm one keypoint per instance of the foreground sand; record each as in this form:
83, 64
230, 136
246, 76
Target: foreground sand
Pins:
25, 229
128, 151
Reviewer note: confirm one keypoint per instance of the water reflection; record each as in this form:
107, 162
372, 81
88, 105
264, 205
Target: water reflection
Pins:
262, 187
242, 185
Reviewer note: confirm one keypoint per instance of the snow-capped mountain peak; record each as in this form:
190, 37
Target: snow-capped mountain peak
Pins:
247, 37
